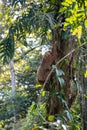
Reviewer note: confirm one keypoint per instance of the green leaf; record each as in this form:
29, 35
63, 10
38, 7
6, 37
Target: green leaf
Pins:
69, 115
64, 127
59, 72
51, 118
61, 81
43, 93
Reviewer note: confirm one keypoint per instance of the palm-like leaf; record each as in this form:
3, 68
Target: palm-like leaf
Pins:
7, 49
34, 21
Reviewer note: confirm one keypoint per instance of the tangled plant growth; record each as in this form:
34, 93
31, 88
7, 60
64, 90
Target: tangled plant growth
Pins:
65, 24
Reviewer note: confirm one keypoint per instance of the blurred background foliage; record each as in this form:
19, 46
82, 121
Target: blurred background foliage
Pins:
25, 30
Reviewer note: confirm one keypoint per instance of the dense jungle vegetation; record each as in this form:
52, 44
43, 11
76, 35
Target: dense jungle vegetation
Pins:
43, 65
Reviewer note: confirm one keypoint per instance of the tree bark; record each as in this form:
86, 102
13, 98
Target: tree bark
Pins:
13, 84
54, 105
64, 46
84, 103
13, 81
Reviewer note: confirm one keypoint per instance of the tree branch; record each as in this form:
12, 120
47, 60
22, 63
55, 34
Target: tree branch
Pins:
25, 53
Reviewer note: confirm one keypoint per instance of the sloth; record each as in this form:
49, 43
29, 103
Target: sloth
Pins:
48, 60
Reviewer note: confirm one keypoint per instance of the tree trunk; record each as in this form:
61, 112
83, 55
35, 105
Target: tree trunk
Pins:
84, 103
66, 65
13, 82
83, 87
54, 103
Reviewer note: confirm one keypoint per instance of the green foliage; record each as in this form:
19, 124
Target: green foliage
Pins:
26, 90
7, 49
70, 120
20, 103
40, 19
32, 21
75, 123
59, 74
75, 17
36, 116
14, 2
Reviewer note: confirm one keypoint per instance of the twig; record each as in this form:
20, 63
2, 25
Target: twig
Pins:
42, 117
25, 53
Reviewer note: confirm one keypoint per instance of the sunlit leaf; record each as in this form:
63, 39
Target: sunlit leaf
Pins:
61, 81
85, 3
78, 31
6, 16
85, 95
85, 74
38, 85
69, 115
86, 23
43, 93
0, 14
51, 118
64, 127
35, 128
59, 72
